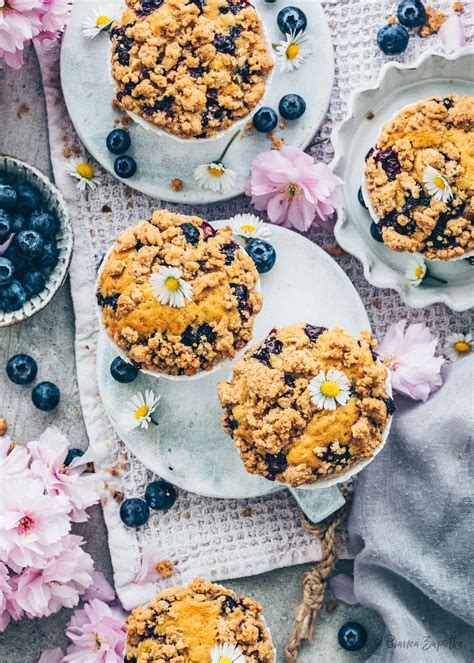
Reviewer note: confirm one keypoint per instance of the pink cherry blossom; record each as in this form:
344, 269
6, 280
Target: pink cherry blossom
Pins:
452, 34
14, 459
97, 632
54, 17
31, 523
409, 353
41, 592
9, 608
100, 589
81, 489
147, 572
55, 655
342, 586
292, 188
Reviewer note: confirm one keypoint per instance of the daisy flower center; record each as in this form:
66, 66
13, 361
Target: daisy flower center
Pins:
102, 20
330, 389
248, 228
25, 524
462, 347
215, 171
224, 659
292, 190
85, 170
419, 271
172, 283
292, 51
440, 182
141, 412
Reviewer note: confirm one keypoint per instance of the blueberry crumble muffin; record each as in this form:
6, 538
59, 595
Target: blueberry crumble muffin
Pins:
420, 178
199, 623
190, 67
178, 296
306, 403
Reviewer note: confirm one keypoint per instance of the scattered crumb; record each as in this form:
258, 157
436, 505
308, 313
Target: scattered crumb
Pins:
271, 136
332, 25
277, 144
72, 151
92, 233
249, 126
459, 455
335, 251
117, 495
247, 512
392, 20
116, 104
3, 425
90, 469
113, 471
126, 121
331, 606
22, 109
282, 124
370, 115
434, 20
458, 7
376, 303
165, 568
177, 184
122, 466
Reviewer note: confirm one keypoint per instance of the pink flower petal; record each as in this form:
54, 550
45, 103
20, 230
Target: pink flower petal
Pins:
342, 586
147, 572
452, 34
51, 656
100, 589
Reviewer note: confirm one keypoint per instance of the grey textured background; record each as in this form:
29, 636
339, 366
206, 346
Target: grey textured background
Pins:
49, 337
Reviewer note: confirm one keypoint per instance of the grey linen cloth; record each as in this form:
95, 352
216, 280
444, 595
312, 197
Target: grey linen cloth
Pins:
412, 526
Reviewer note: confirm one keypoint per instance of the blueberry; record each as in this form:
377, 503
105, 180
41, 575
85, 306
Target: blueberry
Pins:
392, 39
7, 197
265, 120
191, 232
33, 281
21, 369
12, 296
360, 197
7, 270
125, 166
44, 223
122, 371
134, 512
19, 262
71, 454
4, 178
160, 495
291, 19
411, 13
18, 223
262, 253
118, 141
5, 225
45, 396
29, 244
376, 232
49, 256
292, 106
28, 199
352, 636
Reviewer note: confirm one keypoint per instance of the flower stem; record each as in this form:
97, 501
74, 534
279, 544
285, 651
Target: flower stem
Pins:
154, 422
435, 278
221, 158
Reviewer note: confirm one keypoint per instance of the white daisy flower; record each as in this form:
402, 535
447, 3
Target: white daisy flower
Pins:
330, 389
95, 23
458, 345
250, 227
138, 410
416, 271
169, 288
293, 51
83, 172
215, 177
227, 654
437, 184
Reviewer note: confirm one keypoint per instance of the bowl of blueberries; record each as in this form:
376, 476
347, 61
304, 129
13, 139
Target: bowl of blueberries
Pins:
36, 240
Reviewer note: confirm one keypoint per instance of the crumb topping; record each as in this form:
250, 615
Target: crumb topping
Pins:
276, 426
211, 327
191, 67
183, 625
436, 132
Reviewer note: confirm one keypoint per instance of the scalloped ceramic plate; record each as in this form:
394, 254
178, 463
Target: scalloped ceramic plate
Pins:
398, 86
85, 81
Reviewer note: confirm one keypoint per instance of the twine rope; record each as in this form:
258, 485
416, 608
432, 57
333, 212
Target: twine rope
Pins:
315, 579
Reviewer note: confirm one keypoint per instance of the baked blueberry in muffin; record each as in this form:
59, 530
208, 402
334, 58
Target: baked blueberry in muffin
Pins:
420, 178
190, 67
199, 623
178, 296
306, 403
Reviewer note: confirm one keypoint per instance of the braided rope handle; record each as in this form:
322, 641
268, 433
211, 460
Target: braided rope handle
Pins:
315, 579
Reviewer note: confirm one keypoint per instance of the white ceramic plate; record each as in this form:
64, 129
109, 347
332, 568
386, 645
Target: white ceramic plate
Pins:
398, 86
86, 86
189, 447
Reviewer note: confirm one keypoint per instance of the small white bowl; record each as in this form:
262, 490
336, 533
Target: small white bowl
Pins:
157, 374
21, 172
238, 124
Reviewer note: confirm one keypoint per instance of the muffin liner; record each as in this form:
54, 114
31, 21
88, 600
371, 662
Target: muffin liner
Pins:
156, 374
21, 172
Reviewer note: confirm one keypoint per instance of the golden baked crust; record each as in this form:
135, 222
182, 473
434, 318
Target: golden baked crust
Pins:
178, 341
436, 132
280, 432
191, 67
184, 624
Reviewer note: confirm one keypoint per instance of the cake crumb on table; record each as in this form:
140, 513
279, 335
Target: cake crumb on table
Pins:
458, 7
370, 115
277, 144
3, 425
165, 568
176, 184
434, 20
